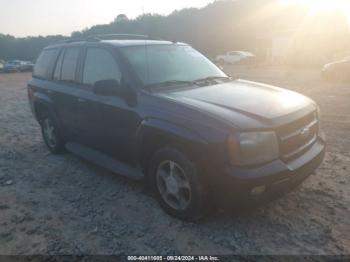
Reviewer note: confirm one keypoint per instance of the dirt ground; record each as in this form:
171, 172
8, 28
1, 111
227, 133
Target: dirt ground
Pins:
63, 205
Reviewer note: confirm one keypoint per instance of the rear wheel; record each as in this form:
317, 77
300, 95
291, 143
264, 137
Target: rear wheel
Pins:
51, 135
177, 184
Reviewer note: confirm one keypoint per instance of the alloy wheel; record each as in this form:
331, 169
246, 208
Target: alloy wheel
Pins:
49, 133
173, 185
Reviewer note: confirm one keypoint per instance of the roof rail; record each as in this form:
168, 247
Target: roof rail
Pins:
87, 39
121, 37
97, 38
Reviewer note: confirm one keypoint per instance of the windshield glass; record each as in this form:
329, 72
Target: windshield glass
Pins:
156, 64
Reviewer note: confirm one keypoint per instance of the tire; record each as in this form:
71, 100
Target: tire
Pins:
51, 135
185, 182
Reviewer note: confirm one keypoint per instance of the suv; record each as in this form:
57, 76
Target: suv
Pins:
163, 112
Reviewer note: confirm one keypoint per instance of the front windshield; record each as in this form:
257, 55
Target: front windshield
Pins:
155, 64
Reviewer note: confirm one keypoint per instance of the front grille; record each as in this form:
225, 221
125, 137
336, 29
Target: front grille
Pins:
297, 137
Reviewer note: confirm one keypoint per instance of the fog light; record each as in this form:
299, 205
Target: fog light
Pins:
258, 190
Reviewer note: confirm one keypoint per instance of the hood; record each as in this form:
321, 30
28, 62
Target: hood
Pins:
244, 98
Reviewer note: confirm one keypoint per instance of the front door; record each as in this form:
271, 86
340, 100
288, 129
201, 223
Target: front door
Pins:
106, 123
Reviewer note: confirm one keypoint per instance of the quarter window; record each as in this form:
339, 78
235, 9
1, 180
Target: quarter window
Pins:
69, 65
43, 62
100, 65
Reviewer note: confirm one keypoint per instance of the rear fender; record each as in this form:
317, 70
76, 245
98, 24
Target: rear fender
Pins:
43, 102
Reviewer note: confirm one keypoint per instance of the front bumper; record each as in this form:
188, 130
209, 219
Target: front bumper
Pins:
236, 185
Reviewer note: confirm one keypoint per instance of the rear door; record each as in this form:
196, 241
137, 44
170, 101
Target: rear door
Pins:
65, 89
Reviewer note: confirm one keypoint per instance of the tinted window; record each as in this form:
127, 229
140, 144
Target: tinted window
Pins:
69, 64
57, 73
100, 65
43, 63
161, 63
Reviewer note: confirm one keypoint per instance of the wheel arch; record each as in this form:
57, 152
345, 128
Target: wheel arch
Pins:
154, 134
41, 105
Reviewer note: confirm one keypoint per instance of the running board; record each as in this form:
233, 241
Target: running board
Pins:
104, 161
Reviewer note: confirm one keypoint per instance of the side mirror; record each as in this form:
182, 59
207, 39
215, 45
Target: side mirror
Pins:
110, 87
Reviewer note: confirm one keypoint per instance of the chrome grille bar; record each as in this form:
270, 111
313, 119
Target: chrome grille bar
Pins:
301, 149
297, 132
296, 137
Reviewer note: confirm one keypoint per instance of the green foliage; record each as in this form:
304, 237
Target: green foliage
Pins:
25, 48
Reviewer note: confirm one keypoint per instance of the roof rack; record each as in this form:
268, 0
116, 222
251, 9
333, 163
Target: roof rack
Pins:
87, 39
97, 38
121, 37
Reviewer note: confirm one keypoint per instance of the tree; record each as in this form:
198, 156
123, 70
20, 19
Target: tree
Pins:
121, 18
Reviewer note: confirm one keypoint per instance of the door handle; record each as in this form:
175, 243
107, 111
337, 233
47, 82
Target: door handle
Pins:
80, 100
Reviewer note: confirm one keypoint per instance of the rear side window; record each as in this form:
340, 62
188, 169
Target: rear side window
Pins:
100, 65
43, 62
69, 65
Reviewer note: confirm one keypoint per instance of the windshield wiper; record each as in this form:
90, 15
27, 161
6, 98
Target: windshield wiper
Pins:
213, 78
170, 83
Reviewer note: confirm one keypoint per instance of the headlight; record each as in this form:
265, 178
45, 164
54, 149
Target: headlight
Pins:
252, 148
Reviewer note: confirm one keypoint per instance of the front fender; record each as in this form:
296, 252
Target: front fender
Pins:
172, 129
162, 128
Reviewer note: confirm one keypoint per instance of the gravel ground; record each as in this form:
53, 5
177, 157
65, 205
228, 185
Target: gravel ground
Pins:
63, 205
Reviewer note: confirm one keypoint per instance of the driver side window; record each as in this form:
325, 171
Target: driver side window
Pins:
100, 65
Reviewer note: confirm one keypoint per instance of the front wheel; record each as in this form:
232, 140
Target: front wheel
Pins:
177, 184
51, 135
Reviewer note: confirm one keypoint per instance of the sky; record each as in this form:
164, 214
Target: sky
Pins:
22, 18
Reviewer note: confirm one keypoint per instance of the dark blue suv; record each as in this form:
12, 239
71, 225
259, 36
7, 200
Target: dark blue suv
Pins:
163, 112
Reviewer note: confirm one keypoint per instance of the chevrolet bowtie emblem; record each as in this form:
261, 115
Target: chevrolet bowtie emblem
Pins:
305, 132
